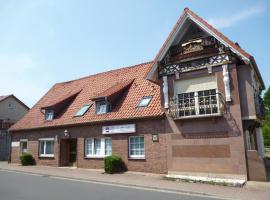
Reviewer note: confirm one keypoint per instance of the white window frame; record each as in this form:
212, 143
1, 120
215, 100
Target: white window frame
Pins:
22, 141
100, 104
148, 100
49, 115
102, 148
129, 149
197, 105
45, 146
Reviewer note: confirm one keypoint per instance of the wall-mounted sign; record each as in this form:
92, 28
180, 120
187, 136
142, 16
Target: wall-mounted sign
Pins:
15, 144
125, 128
155, 137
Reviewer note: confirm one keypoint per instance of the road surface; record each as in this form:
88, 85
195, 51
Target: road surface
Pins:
21, 186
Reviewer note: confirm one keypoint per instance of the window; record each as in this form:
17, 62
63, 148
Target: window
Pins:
98, 147
136, 147
101, 107
49, 115
83, 110
46, 147
203, 102
196, 97
23, 146
10, 106
145, 101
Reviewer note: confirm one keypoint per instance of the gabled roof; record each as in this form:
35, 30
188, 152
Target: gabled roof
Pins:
59, 99
96, 85
4, 97
178, 29
113, 89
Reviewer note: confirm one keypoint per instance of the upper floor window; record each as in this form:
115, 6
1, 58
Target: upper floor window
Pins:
196, 97
83, 110
49, 115
101, 107
203, 102
10, 106
145, 101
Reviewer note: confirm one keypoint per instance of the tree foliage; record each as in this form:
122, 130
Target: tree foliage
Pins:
266, 122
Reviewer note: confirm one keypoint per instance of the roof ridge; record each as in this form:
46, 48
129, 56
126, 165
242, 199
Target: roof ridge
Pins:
109, 71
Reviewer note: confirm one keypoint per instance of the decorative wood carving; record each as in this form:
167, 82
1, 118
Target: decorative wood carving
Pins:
226, 80
166, 92
194, 65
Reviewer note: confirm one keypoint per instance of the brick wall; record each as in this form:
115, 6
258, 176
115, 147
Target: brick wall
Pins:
155, 152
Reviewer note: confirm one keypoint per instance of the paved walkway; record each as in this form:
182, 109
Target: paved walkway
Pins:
253, 190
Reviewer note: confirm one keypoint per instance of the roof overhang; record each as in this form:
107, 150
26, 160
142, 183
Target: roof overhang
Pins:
180, 29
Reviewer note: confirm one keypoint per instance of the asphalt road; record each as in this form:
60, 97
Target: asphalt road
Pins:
20, 186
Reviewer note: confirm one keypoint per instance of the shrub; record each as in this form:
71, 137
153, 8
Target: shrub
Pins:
27, 159
113, 164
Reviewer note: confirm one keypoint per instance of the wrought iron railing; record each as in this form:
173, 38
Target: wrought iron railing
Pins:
176, 110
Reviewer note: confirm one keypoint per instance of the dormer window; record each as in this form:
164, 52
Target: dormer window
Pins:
83, 110
101, 107
49, 114
145, 101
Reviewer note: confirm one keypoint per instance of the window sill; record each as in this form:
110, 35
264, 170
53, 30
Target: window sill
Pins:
95, 157
199, 116
46, 156
136, 158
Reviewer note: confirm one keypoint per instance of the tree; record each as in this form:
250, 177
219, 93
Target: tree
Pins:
266, 122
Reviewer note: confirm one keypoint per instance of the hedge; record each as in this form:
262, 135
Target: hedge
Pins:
27, 159
113, 164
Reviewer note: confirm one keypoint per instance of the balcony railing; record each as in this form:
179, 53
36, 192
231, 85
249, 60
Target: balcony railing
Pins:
197, 104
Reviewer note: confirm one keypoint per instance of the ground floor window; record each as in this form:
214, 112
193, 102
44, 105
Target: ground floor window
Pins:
23, 146
136, 147
98, 147
46, 147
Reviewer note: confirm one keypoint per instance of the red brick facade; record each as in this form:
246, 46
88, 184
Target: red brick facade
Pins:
155, 152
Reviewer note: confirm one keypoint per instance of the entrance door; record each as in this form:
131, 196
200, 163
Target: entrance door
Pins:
68, 152
72, 152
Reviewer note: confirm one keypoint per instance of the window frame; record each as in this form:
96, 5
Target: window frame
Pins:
82, 114
197, 104
129, 148
98, 104
45, 140
150, 97
102, 147
23, 141
49, 114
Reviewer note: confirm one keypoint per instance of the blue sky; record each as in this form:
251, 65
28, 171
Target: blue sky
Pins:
47, 41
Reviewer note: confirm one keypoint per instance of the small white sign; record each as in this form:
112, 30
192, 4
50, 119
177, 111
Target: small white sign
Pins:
126, 128
15, 144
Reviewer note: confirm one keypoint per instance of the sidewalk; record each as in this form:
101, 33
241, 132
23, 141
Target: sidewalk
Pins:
253, 190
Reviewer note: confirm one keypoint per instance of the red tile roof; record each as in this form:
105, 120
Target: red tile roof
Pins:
94, 86
113, 89
4, 97
227, 40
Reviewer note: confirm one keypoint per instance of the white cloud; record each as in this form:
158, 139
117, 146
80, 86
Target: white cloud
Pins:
234, 18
